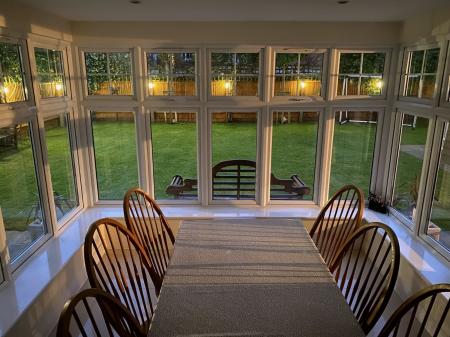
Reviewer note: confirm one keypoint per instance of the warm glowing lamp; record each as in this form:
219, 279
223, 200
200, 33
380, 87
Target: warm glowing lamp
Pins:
379, 84
58, 86
5, 90
151, 85
227, 85
302, 84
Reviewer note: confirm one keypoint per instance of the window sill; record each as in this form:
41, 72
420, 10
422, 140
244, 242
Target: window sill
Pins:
56, 271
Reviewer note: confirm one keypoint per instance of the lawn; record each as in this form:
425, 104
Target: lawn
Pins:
174, 152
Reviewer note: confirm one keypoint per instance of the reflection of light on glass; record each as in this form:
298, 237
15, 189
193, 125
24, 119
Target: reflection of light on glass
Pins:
379, 84
58, 86
151, 85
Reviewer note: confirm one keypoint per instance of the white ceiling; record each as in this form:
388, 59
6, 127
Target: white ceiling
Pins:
236, 10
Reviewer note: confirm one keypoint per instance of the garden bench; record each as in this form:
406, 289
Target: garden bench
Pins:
236, 179
9, 136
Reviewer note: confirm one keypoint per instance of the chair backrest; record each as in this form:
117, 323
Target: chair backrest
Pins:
117, 263
422, 313
339, 219
92, 312
366, 269
147, 222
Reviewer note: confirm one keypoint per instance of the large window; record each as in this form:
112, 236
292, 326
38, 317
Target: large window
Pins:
420, 76
360, 73
171, 74
50, 72
353, 149
12, 87
294, 142
19, 195
114, 138
109, 73
59, 153
174, 144
234, 148
409, 165
298, 74
439, 225
234, 74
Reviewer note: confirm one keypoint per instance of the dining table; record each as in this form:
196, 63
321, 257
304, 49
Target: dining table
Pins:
249, 277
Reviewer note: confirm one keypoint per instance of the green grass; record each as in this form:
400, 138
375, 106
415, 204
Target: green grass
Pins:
175, 152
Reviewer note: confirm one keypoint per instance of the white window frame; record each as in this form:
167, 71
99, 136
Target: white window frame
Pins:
261, 75
108, 98
51, 44
318, 156
299, 99
198, 75
259, 139
91, 153
404, 73
149, 151
334, 73
445, 88
393, 166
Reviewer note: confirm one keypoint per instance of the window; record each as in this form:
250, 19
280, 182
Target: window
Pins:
171, 74
294, 143
439, 225
60, 160
420, 76
50, 72
234, 148
234, 74
114, 139
19, 194
12, 87
109, 73
353, 149
298, 74
409, 165
174, 145
361, 73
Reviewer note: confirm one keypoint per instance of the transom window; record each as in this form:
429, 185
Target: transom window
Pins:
298, 74
12, 87
50, 72
171, 74
108, 73
361, 73
420, 76
234, 74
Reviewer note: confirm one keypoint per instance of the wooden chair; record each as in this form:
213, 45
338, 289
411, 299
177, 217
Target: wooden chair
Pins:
92, 312
146, 221
366, 269
340, 217
423, 306
117, 263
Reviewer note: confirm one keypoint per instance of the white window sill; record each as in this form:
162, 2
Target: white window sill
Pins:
27, 295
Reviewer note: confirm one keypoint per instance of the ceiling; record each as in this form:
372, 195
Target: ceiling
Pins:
237, 10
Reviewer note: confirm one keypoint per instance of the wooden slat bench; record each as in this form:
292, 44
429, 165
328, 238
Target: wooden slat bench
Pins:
236, 179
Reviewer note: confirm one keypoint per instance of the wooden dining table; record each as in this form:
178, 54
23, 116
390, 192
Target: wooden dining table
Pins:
249, 277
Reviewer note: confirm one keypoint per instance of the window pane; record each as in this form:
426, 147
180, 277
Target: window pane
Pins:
416, 62
360, 79
234, 74
409, 166
171, 74
353, 149
174, 144
50, 72
413, 85
428, 83
298, 74
61, 164
115, 153
234, 139
439, 226
12, 88
109, 73
19, 195
431, 61
294, 142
